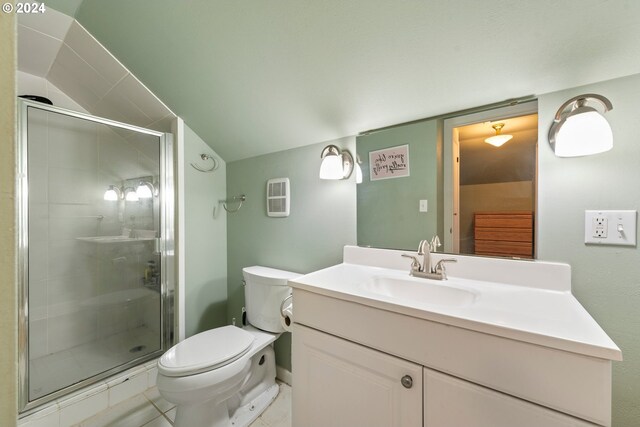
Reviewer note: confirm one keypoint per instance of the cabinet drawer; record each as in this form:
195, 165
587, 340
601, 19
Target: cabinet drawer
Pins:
506, 234
506, 220
499, 248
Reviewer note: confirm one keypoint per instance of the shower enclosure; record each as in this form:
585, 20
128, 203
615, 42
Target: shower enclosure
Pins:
95, 246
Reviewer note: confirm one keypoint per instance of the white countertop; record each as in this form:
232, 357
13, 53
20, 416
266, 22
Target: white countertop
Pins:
538, 314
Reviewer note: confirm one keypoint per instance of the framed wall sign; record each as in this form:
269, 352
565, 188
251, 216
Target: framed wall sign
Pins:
392, 162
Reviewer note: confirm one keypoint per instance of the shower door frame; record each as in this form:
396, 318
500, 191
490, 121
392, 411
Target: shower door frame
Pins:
165, 245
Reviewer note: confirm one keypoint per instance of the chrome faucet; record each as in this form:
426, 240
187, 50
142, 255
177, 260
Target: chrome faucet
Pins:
424, 249
425, 270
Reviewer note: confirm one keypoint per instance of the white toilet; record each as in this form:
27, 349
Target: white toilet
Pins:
226, 376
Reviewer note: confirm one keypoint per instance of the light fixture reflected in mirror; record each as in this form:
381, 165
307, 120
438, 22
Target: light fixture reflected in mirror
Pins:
498, 139
136, 189
130, 195
145, 190
112, 194
579, 129
336, 164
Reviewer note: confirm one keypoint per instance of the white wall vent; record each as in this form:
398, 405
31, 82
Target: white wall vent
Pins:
278, 197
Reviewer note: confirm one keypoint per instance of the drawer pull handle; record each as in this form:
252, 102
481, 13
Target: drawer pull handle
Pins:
407, 381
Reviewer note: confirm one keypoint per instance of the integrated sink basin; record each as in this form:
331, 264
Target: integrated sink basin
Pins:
418, 291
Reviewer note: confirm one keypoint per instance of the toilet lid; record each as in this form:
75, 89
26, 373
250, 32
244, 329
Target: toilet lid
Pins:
205, 351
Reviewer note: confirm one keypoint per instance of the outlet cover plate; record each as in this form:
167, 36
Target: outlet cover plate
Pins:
610, 227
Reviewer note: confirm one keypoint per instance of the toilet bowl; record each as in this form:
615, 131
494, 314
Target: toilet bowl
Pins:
226, 376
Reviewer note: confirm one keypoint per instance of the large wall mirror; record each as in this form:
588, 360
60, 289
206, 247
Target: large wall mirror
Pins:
449, 177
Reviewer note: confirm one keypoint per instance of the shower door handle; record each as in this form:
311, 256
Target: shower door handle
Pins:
157, 246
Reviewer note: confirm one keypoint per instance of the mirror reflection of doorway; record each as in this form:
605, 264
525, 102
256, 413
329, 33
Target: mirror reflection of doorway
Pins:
492, 195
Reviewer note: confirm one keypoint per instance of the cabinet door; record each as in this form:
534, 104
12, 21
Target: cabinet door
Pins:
341, 384
452, 402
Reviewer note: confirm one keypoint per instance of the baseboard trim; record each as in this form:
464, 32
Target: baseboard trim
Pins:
284, 375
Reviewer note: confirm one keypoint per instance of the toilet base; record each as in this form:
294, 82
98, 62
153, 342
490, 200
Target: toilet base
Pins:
203, 414
248, 413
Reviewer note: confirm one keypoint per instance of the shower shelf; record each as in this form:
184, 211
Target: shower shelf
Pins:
101, 240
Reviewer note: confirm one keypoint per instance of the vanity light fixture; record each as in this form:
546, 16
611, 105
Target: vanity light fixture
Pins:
112, 194
130, 195
498, 139
336, 163
579, 129
146, 190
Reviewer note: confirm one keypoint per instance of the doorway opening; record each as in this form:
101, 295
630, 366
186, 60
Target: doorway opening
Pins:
490, 191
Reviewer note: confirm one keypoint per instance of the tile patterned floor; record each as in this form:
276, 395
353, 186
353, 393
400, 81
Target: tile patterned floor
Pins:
149, 409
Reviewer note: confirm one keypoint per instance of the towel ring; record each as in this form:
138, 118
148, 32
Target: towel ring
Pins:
206, 157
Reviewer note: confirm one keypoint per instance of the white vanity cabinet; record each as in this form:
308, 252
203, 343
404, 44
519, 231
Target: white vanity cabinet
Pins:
341, 384
502, 343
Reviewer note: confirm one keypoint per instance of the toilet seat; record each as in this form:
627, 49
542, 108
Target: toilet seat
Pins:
205, 351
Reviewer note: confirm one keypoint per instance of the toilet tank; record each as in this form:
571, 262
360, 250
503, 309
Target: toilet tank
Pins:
264, 290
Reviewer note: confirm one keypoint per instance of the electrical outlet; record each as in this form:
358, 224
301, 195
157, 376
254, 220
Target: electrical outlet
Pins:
599, 227
610, 227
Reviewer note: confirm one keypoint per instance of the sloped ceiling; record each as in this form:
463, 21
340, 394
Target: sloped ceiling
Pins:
252, 77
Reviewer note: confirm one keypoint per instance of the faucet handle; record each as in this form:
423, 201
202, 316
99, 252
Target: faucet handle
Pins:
439, 268
415, 264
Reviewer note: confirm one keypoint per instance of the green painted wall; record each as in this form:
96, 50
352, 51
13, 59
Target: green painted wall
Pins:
606, 280
205, 240
388, 215
8, 285
322, 221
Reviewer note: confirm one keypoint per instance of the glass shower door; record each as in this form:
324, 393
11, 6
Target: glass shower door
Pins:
94, 290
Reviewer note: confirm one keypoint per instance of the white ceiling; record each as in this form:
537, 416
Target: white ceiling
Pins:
252, 77
55, 47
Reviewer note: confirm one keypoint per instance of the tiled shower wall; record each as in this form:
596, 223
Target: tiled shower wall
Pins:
71, 163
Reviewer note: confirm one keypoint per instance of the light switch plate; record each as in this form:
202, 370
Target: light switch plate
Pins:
610, 227
423, 206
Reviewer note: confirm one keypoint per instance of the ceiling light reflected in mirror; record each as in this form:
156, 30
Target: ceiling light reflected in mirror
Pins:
499, 138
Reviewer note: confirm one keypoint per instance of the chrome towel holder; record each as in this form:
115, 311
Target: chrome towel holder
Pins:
205, 157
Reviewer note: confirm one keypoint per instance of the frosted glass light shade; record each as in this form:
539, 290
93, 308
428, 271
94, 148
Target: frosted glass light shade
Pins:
336, 163
578, 129
583, 134
144, 191
498, 140
111, 194
130, 195
331, 167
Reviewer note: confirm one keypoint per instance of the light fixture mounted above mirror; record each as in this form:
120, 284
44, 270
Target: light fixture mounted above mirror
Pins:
336, 163
579, 129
